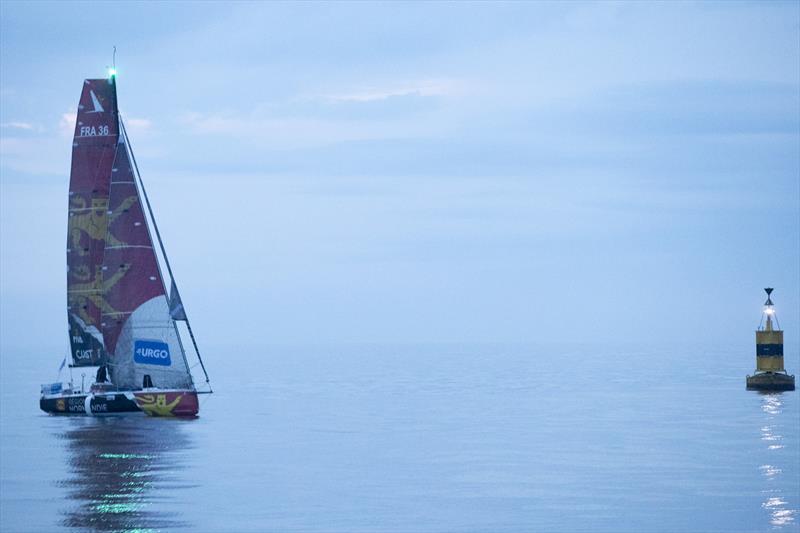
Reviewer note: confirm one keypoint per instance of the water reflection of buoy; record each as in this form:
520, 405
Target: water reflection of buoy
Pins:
770, 374
780, 512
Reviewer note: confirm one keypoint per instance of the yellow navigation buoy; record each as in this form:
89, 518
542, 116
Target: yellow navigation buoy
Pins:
770, 374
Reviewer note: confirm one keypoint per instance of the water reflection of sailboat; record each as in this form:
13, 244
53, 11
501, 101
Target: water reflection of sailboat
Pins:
119, 469
780, 515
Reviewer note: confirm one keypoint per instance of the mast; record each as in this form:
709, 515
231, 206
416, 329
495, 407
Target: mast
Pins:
185, 317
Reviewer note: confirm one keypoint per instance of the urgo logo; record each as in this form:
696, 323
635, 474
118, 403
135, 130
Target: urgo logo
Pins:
151, 353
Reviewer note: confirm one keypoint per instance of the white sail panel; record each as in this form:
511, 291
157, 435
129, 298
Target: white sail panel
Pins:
148, 344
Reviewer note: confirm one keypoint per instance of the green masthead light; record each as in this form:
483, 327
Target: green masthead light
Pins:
112, 72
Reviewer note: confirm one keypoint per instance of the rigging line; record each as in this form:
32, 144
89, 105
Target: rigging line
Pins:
161, 244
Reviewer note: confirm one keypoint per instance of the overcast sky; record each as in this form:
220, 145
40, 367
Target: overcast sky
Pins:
424, 172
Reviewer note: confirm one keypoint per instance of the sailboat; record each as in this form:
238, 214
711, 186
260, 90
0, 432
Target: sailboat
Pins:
122, 321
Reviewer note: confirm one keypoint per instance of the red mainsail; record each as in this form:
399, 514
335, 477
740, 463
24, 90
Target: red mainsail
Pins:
93, 148
130, 272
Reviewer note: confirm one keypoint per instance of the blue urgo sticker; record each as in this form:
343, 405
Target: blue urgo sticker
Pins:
151, 353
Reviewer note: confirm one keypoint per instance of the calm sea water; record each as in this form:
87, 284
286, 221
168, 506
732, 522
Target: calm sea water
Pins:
419, 438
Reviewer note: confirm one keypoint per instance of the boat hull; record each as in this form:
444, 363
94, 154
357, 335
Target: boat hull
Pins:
89, 404
180, 403
770, 381
155, 402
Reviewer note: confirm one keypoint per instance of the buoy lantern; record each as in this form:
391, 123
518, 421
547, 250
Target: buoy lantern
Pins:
770, 374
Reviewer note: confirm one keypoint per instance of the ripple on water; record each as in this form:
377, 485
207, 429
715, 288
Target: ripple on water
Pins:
779, 515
